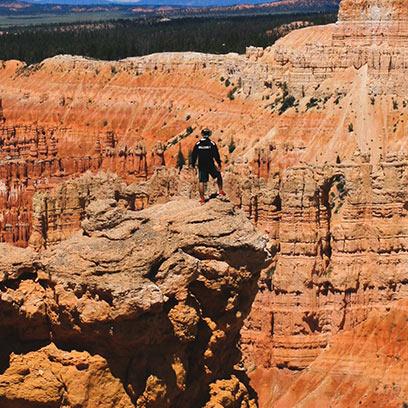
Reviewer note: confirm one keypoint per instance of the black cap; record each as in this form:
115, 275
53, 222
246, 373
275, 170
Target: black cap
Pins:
206, 132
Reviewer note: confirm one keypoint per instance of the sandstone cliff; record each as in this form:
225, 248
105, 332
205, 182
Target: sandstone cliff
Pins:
363, 367
319, 163
339, 239
318, 94
139, 308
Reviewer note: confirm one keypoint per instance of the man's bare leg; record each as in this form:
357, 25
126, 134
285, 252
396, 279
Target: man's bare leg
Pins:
220, 186
201, 189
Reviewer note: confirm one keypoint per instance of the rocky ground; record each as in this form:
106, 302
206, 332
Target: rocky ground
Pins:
139, 308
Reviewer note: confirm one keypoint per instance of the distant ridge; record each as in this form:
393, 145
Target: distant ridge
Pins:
233, 4
309, 5
176, 3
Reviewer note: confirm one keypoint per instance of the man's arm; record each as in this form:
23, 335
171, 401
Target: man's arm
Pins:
216, 154
194, 155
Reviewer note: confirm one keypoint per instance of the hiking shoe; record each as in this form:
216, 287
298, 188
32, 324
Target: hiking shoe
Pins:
202, 201
222, 193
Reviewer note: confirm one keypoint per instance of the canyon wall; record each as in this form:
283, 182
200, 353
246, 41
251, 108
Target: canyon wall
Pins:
319, 93
312, 136
69, 115
339, 218
363, 366
341, 251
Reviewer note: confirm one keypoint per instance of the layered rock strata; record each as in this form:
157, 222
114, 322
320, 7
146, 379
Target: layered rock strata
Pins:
128, 117
363, 367
340, 244
314, 141
372, 33
317, 94
340, 250
139, 308
373, 10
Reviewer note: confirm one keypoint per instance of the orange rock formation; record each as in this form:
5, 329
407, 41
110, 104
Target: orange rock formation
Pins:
363, 367
68, 115
338, 229
318, 161
154, 299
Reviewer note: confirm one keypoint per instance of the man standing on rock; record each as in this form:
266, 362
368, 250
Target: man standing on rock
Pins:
206, 151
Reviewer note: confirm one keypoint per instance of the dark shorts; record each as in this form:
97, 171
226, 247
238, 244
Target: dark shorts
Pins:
205, 172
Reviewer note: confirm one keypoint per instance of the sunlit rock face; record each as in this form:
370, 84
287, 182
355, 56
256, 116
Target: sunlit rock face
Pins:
373, 10
153, 299
352, 78
318, 162
376, 23
69, 115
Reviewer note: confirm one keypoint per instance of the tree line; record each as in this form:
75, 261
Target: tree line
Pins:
116, 39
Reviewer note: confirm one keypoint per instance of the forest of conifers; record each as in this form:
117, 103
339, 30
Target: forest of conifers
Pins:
118, 39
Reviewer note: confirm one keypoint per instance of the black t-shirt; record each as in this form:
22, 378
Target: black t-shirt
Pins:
206, 151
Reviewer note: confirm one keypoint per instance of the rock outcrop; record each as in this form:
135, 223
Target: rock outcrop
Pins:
139, 308
50, 377
128, 117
